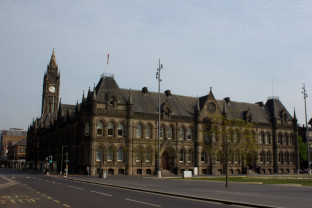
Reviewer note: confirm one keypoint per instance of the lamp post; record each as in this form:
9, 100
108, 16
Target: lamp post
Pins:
307, 133
62, 159
160, 66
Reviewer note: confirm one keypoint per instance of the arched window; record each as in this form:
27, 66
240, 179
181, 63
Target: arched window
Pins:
268, 157
148, 154
280, 139
262, 157
261, 138
280, 157
110, 154
120, 154
268, 138
110, 129
138, 154
148, 131
286, 139
203, 157
291, 139
287, 157
162, 132
189, 133
181, 133
182, 156
139, 131
99, 153
292, 157
190, 156
169, 132
121, 130
100, 128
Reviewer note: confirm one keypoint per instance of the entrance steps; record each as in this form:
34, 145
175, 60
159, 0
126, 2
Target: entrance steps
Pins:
167, 173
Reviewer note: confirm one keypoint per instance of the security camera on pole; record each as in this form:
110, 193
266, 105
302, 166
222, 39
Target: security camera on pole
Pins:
160, 66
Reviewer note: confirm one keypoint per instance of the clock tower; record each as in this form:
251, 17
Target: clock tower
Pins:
51, 88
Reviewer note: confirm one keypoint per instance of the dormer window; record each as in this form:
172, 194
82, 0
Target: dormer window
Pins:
111, 101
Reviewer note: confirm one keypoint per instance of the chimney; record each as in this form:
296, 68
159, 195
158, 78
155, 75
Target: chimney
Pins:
168, 93
145, 90
227, 99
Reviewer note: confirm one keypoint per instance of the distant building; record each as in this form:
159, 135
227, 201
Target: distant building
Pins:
8, 138
117, 130
17, 154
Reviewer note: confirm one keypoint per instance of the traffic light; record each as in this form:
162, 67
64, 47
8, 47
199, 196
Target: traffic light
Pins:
50, 159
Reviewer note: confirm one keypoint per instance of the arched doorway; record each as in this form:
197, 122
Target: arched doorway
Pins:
165, 160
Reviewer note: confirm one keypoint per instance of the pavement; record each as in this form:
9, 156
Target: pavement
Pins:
256, 195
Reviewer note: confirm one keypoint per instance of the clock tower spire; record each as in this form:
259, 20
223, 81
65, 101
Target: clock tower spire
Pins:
51, 88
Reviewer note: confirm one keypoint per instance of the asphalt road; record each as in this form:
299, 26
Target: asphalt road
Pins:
35, 190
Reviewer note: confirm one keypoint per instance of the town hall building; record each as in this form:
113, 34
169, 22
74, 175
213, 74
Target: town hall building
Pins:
116, 130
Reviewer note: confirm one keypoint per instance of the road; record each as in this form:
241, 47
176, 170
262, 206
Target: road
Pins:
20, 189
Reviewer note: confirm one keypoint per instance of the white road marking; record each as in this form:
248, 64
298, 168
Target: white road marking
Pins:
101, 193
75, 187
155, 205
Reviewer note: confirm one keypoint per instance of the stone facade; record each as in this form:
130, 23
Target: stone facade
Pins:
116, 130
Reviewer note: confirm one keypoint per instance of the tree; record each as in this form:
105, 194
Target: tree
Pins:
231, 140
302, 152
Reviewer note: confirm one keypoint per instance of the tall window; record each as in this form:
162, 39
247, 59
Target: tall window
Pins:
268, 157
148, 155
260, 138
280, 157
181, 133
203, 157
213, 137
291, 139
280, 139
111, 129
286, 139
190, 156
99, 153
110, 154
162, 132
182, 156
189, 133
139, 131
121, 130
262, 157
268, 138
120, 154
148, 131
169, 132
138, 154
100, 128
86, 128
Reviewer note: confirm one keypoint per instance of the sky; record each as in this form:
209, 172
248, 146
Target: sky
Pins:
245, 50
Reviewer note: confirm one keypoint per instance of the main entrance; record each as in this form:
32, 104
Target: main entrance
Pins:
165, 161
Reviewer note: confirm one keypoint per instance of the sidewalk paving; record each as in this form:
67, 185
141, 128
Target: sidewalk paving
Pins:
270, 195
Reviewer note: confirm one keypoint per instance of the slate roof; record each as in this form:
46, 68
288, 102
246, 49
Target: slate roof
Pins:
147, 102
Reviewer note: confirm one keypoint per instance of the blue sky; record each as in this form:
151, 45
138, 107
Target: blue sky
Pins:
235, 47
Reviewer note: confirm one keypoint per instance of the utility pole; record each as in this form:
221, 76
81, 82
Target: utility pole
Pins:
305, 95
160, 66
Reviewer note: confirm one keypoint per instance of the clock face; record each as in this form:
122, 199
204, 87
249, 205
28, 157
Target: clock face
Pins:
52, 89
211, 107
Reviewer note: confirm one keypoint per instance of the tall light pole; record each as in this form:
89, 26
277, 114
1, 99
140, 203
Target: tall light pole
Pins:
307, 133
160, 66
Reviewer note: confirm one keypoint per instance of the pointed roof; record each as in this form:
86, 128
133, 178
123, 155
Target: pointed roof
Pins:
295, 117
52, 60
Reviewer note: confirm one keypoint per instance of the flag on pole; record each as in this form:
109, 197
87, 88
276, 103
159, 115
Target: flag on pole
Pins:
107, 58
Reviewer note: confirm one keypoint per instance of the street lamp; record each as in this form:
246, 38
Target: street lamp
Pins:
305, 95
62, 159
160, 66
